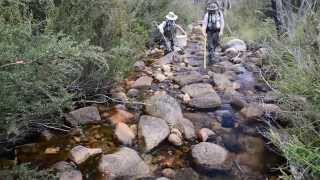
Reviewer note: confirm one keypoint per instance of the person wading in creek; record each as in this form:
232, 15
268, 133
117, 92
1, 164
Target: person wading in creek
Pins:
212, 28
168, 30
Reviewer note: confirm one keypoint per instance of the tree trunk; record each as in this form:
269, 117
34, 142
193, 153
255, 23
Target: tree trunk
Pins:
278, 16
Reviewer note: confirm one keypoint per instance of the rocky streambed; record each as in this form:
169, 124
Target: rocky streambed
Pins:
173, 120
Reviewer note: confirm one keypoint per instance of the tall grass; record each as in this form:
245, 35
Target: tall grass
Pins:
295, 60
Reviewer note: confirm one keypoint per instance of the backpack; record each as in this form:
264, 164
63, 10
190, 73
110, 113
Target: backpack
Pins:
169, 28
214, 22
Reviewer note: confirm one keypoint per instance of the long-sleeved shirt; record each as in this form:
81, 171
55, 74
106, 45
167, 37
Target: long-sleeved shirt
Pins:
205, 22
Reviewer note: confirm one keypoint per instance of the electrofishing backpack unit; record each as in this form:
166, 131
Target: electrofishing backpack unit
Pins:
214, 22
169, 28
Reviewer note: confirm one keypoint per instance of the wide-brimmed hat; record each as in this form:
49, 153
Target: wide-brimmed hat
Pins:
213, 7
171, 16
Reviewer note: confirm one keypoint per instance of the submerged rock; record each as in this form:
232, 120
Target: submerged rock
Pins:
165, 107
153, 131
85, 115
252, 112
126, 163
211, 157
80, 154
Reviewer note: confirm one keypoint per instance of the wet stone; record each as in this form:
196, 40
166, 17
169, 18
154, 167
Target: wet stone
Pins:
196, 90
124, 163
165, 107
207, 101
211, 156
188, 78
153, 131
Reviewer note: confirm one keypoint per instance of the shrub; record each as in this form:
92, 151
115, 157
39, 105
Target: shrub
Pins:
27, 172
40, 74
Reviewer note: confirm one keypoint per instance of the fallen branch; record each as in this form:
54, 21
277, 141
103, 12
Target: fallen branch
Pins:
107, 99
51, 127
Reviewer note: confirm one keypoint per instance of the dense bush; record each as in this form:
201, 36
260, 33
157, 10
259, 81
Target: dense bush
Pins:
56, 51
36, 73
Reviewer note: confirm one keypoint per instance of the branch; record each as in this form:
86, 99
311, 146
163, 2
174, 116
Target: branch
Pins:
107, 99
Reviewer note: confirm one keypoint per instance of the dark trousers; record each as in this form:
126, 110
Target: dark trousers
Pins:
212, 43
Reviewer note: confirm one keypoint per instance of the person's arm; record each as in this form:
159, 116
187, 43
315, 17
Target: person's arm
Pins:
161, 27
205, 24
222, 24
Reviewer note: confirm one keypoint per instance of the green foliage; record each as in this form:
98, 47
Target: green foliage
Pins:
36, 72
248, 21
295, 59
55, 51
27, 172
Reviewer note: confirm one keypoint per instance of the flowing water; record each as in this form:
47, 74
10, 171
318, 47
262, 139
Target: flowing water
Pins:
255, 159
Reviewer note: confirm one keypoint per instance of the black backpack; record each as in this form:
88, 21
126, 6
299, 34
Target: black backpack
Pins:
169, 28
214, 21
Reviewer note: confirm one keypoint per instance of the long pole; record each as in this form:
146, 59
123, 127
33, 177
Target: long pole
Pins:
205, 53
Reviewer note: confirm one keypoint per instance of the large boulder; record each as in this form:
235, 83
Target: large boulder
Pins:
206, 101
87, 115
126, 163
165, 107
153, 131
199, 89
211, 157
236, 45
188, 78
142, 82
